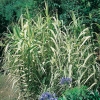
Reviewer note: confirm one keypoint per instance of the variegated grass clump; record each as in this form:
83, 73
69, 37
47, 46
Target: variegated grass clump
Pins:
42, 51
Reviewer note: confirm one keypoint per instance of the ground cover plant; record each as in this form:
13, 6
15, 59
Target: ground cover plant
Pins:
42, 51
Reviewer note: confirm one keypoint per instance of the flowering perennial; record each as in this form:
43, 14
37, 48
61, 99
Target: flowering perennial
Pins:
65, 80
48, 96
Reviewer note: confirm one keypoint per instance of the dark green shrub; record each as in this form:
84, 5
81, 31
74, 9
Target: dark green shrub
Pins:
13, 9
3, 24
80, 7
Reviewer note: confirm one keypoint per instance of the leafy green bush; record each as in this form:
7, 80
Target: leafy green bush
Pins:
12, 10
41, 51
80, 93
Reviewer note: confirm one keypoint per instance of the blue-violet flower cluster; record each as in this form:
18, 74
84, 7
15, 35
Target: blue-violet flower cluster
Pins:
48, 96
65, 80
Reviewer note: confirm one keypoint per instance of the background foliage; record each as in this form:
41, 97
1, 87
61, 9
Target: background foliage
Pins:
10, 10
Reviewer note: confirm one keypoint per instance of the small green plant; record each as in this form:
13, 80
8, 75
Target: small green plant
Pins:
80, 93
76, 93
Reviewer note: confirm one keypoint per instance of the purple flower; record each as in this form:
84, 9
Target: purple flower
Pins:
47, 96
65, 80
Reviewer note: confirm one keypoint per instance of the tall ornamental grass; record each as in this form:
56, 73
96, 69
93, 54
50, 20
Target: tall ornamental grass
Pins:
40, 52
